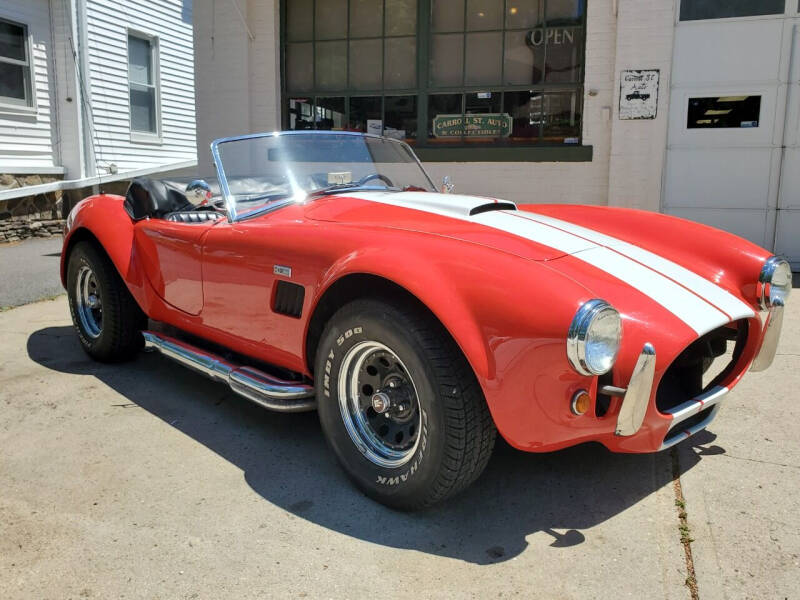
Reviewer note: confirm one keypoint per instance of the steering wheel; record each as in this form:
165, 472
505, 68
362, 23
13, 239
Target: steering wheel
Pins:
372, 176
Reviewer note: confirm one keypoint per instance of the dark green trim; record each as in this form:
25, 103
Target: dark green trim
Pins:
506, 154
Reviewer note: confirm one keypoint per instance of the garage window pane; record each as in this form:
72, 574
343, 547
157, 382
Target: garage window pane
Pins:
331, 65
366, 18
366, 64
564, 61
330, 113
447, 60
300, 67
301, 111
483, 15
447, 15
524, 14
524, 63
300, 19
401, 17
484, 55
331, 19
401, 117
561, 118
525, 109
400, 70
365, 115
724, 112
565, 12
693, 10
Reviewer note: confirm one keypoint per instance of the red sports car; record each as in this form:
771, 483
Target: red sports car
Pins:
323, 270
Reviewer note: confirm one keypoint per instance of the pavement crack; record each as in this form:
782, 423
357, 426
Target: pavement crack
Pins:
763, 462
683, 527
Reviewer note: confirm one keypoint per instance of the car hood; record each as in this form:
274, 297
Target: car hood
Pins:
485, 221
604, 249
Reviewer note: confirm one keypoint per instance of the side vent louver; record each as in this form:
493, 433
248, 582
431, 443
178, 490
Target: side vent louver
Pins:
288, 299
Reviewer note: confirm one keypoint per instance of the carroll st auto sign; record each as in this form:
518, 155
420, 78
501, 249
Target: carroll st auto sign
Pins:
480, 125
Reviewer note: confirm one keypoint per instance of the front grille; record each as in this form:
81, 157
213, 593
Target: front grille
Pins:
706, 363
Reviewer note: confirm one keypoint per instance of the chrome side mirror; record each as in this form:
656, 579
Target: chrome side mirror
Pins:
198, 192
448, 187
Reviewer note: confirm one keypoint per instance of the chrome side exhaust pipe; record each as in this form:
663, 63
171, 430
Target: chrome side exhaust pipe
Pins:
263, 389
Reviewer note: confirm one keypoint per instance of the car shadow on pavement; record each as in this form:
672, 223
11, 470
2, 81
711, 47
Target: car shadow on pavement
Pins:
285, 460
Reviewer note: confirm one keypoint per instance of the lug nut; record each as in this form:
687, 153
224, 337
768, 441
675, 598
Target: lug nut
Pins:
381, 402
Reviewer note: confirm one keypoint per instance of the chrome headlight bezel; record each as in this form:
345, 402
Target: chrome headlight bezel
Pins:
768, 294
580, 331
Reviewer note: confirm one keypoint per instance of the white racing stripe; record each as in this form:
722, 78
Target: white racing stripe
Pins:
665, 282
716, 295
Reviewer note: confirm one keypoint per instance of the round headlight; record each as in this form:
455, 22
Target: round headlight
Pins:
775, 282
594, 338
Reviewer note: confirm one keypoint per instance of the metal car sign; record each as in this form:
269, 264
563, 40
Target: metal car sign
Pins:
638, 95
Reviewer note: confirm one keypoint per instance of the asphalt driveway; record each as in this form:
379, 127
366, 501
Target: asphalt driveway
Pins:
29, 271
143, 481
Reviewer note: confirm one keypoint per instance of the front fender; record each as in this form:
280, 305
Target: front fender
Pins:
508, 315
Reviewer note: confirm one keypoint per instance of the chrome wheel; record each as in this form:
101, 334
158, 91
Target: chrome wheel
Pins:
88, 304
379, 404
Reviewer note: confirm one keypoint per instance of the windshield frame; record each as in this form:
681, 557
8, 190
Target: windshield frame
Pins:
230, 202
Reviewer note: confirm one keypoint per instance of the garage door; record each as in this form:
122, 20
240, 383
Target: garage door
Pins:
733, 156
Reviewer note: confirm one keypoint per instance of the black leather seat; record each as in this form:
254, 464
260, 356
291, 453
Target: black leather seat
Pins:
153, 198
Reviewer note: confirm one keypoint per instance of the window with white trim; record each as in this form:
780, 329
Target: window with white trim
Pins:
15, 65
143, 84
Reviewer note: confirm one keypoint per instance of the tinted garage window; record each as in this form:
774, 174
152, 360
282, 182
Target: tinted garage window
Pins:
693, 10
724, 112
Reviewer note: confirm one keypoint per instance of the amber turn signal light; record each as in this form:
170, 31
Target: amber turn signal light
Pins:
581, 401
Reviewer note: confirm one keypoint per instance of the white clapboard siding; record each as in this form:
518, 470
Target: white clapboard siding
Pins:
27, 139
108, 22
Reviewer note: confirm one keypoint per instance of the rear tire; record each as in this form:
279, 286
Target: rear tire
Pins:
106, 317
436, 436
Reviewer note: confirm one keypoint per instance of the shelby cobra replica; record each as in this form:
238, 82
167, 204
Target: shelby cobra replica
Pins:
325, 271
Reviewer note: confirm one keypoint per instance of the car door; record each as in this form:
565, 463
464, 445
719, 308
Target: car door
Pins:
258, 278
171, 254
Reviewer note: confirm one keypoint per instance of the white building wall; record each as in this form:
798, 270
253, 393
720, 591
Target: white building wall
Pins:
238, 77
645, 37
27, 138
108, 22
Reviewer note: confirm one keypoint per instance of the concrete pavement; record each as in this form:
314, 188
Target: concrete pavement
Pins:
143, 481
29, 271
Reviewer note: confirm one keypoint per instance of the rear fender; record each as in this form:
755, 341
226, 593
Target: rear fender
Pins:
103, 219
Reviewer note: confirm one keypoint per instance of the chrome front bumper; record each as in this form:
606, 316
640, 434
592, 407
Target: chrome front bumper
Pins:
772, 335
637, 396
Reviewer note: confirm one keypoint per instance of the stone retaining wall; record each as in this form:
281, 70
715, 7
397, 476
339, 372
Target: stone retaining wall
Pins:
41, 215
16, 229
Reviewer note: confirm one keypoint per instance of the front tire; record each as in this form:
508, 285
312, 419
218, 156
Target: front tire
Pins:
106, 317
400, 406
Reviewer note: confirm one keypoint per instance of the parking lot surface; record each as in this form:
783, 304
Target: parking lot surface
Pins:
142, 480
29, 270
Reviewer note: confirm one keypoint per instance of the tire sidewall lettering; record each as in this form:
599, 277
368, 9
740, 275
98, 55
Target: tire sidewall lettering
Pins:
341, 343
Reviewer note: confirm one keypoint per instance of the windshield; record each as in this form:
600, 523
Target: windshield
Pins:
263, 171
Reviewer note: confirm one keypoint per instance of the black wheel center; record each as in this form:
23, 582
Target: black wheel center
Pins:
397, 426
